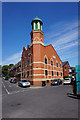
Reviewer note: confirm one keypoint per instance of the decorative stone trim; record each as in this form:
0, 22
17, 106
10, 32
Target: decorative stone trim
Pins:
37, 31
37, 42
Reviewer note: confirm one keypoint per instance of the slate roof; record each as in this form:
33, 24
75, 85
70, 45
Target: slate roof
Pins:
64, 62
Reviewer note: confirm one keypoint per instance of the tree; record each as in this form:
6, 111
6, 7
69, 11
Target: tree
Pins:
11, 65
67, 77
5, 69
0, 71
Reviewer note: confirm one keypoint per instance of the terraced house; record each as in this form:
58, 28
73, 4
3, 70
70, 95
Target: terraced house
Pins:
39, 62
15, 71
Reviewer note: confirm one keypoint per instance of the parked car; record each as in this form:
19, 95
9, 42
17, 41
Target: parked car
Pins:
24, 83
59, 81
4, 78
67, 81
55, 82
13, 80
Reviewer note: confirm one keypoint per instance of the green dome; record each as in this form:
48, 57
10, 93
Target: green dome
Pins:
45, 44
36, 19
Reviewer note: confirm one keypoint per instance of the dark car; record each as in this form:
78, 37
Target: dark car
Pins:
6, 78
59, 81
13, 81
55, 82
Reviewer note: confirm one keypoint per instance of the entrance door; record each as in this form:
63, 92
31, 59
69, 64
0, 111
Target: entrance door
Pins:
43, 83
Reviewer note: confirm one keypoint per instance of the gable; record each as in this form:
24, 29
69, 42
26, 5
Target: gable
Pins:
51, 52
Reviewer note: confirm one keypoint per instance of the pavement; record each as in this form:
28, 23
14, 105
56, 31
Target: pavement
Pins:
38, 101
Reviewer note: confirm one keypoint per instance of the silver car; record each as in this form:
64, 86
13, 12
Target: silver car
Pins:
67, 81
24, 83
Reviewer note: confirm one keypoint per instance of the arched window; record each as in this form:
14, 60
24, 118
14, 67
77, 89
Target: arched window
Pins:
51, 62
65, 69
57, 73
52, 73
28, 62
24, 74
45, 61
60, 65
57, 64
27, 73
46, 72
61, 73
36, 26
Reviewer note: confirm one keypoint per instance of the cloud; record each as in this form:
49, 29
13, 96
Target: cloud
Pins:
70, 56
13, 59
72, 44
63, 33
75, 54
64, 38
61, 28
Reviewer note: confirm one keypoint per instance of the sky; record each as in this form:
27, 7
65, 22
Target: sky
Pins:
60, 27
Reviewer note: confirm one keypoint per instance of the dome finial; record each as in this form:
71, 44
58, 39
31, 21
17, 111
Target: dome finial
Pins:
36, 17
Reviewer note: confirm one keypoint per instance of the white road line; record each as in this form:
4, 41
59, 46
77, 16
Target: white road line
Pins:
4, 86
18, 91
5, 89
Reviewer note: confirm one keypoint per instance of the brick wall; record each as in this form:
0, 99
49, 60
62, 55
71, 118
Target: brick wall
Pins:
36, 54
66, 69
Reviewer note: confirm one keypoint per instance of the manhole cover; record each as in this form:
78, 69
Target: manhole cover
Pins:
16, 104
19, 104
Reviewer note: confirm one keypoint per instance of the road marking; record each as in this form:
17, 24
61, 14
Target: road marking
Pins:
3, 85
17, 91
7, 91
30, 88
5, 88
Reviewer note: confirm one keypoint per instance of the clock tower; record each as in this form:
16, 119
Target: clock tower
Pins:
37, 33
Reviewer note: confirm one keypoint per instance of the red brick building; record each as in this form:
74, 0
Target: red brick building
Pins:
72, 71
66, 68
15, 71
40, 62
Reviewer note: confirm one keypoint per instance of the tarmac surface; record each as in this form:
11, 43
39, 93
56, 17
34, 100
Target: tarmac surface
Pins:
38, 101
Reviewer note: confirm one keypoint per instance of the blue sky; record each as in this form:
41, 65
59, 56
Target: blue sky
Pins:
60, 27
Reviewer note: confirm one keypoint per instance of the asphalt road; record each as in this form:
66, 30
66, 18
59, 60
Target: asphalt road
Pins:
38, 102
0, 98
